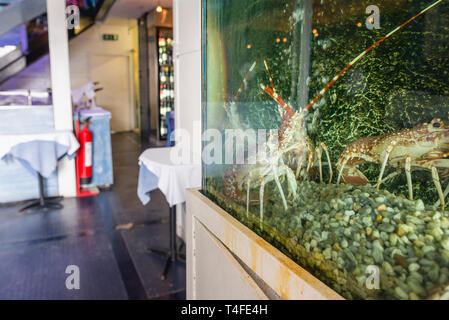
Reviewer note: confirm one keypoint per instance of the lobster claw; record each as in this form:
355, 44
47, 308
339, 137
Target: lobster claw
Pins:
354, 176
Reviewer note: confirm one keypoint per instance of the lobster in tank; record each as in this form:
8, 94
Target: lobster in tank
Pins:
292, 148
424, 147
282, 151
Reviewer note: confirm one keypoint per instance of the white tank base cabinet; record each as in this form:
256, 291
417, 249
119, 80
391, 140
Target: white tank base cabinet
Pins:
228, 261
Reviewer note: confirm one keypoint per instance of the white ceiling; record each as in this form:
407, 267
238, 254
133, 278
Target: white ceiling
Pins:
133, 9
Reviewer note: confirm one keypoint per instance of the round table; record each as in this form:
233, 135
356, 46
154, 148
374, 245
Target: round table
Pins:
160, 169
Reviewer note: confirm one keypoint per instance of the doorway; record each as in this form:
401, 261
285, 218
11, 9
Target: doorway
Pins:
113, 74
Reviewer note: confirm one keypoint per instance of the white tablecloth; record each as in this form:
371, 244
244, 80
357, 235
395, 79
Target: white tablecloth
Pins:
38, 152
157, 170
64, 138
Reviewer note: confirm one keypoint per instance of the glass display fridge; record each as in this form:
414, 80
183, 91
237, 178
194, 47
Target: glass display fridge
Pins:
156, 75
335, 136
166, 81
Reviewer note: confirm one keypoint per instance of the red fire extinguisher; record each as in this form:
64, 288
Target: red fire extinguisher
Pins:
85, 154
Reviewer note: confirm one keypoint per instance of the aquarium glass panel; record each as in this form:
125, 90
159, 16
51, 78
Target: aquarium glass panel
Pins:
326, 131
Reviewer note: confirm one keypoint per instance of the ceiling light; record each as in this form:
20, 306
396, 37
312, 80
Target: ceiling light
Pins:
159, 9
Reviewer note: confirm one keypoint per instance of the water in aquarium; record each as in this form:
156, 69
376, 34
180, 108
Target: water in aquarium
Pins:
326, 132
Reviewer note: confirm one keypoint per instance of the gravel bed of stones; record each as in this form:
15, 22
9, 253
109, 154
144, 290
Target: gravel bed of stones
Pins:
358, 226
339, 233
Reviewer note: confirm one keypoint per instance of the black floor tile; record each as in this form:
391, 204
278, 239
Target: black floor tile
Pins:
38, 271
134, 286
150, 265
77, 216
136, 213
126, 207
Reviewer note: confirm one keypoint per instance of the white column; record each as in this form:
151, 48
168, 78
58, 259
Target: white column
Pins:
60, 81
187, 60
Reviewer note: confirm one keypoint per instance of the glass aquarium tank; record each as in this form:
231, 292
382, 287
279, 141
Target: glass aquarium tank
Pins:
326, 132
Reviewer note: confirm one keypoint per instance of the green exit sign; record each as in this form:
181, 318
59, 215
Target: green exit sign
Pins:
110, 37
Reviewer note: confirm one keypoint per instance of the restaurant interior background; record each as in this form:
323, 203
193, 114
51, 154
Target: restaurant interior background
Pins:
109, 69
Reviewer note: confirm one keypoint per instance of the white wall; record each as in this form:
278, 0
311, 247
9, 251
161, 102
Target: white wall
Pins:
90, 44
62, 102
187, 52
187, 59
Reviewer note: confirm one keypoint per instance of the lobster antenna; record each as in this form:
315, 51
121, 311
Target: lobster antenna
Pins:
281, 103
272, 93
269, 75
243, 85
360, 56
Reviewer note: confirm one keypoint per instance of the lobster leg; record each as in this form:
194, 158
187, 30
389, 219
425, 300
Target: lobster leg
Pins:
408, 162
445, 193
298, 169
345, 161
391, 175
275, 175
291, 180
323, 146
430, 164
384, 163
318, 155
299, 160
310, 162
276, 178
353, 176
437, 183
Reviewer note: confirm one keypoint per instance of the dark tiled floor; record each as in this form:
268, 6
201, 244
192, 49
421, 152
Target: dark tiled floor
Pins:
37, 271
36, 247
137, 241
